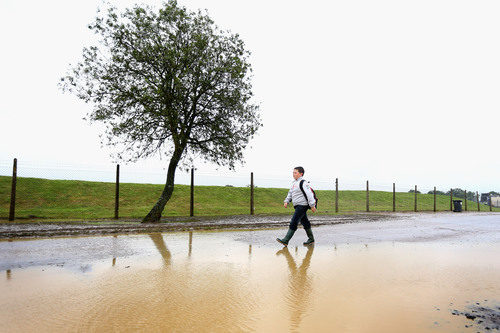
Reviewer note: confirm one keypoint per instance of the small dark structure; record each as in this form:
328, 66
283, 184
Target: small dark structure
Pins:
485, 198
457, 205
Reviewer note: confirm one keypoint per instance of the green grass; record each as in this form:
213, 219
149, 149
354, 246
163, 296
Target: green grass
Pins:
71, 199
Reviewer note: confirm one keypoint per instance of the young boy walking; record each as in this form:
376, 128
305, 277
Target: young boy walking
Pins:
303, 198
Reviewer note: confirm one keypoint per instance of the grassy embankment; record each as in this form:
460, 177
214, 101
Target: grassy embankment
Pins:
75, 200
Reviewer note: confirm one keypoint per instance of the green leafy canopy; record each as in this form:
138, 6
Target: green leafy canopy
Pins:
167, 81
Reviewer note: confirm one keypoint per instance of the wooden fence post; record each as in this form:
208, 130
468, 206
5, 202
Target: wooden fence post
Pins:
415, 198
434, 199
490, 204
117, 191
12, 211
451, 199
191, 202
477, 198
251, 195
393, 197
465, 195
336, 195
367, 197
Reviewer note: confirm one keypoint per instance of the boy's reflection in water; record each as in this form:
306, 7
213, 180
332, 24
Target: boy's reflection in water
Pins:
159, 242
298, 298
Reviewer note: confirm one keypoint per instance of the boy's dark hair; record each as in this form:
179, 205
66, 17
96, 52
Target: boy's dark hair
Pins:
299, 169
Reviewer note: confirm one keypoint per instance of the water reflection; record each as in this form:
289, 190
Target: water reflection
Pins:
190, 243
227, 287
207, 297
159, 242
85, 268
298, 298
114, 239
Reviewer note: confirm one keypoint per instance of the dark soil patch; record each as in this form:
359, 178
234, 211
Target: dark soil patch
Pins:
483, 315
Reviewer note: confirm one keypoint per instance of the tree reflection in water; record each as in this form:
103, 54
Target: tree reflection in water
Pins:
159, 242
299, 293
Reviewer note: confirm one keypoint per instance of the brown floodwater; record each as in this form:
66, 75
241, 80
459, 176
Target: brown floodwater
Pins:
229, 281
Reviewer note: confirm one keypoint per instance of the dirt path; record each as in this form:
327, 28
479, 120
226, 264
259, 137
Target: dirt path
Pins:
109, 227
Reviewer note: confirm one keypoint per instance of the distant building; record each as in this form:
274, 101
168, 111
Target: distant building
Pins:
485, 198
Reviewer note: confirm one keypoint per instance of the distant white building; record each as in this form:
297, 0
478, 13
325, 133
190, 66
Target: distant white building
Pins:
495, 201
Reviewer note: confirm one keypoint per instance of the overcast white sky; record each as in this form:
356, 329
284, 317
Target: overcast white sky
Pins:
390, 91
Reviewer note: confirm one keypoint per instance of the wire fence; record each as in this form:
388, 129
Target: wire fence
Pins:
31, 190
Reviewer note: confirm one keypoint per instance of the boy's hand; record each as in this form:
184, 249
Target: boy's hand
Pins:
314, 209
285, 204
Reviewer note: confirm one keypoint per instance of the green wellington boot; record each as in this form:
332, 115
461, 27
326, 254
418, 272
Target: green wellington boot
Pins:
286, 239
311, 237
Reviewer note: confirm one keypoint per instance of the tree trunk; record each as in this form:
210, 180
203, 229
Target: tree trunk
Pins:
155, 214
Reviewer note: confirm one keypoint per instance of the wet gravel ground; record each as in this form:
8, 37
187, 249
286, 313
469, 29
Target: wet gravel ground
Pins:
108, 227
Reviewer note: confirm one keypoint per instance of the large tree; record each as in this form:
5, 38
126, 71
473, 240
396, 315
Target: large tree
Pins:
167, 81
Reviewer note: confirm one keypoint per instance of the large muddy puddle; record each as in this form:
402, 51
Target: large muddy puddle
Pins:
244, 281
